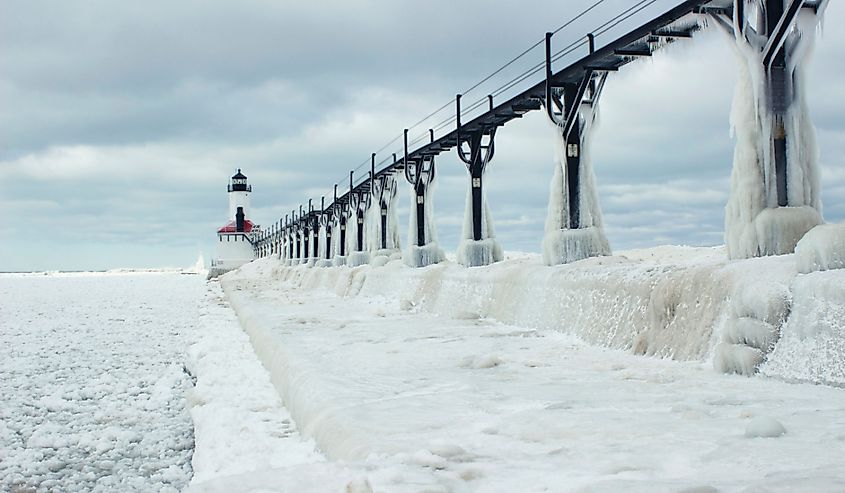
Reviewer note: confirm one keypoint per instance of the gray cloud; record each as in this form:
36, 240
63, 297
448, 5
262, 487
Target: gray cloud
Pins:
121, 123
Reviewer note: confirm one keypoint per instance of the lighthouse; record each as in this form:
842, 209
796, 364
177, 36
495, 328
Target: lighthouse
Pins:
235, 239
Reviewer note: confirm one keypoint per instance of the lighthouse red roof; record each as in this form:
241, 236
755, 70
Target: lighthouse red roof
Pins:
231, 227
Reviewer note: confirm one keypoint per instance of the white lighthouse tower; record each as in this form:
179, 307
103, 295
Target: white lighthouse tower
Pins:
235, 238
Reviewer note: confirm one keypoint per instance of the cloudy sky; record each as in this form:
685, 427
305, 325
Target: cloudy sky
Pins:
121, 122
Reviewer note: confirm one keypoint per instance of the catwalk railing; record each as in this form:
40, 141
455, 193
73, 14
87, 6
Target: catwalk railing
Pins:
563, 94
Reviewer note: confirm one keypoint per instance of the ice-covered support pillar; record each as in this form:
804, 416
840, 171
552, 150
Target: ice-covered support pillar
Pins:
340, 216
775, 191
476, 147
423, 249
313, 222
574, 228
359, 201
283, 240
305, 231
280, 239
297, 229
382, 230
292, 239
325, 219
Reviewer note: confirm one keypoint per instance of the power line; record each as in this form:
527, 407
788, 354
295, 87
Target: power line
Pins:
603, 28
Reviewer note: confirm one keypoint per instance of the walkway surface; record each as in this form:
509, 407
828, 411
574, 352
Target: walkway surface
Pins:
427, 403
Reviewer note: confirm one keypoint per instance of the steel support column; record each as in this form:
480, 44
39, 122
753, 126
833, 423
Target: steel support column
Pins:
479, 152
420, 174
563, 107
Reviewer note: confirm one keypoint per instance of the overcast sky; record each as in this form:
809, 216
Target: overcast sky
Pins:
121, 122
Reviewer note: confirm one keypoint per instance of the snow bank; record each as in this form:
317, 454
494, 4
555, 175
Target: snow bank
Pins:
678, 302
822, 248
635, 304
240, 424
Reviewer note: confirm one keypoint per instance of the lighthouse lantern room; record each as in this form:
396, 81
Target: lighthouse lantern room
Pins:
235, 239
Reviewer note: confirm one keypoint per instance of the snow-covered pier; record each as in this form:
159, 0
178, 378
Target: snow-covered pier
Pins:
524, 377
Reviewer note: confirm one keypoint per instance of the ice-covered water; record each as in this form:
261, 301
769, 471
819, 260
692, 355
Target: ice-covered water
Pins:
92, 395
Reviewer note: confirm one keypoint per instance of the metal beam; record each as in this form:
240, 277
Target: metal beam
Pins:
603, 59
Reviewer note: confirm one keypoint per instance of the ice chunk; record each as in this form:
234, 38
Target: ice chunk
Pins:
737, 358
568, 245
358, 258
779, 229
822, 248
751, 332
477, 253
764, 426
359, 485
813, 339
482, 362
421, 256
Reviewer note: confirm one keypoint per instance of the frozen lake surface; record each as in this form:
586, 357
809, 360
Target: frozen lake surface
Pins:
92, 395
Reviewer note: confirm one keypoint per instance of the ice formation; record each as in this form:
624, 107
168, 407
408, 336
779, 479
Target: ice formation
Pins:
754, 224
764, 427
822, 248
339, 230
400, 384
472, 253
812, 340
356, 223
322, 240
384, 201
561, 244
759, 306
430, 252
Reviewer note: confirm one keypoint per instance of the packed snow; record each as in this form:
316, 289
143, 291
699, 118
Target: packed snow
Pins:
243, 432
92, 395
